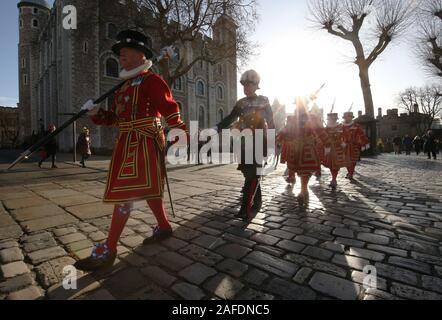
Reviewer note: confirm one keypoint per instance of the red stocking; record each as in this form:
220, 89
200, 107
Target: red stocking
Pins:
334, 175
119, 218
158, 211
304, 184
252, 191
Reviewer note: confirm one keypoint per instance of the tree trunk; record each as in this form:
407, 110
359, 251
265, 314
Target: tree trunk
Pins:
369, 105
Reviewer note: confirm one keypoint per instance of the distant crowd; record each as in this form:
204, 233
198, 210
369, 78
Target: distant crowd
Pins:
428, 144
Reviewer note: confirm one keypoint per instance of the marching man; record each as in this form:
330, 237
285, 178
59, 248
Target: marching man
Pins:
137, 169
299, 140
254, 113
355, 140
335, 158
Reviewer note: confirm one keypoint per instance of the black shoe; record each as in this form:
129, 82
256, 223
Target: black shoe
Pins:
54, 166
96, 262
158, 236
40, 163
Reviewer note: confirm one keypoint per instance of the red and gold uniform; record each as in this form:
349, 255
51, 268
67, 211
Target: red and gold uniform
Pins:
355, 139
299, 149
336, 156
135, 171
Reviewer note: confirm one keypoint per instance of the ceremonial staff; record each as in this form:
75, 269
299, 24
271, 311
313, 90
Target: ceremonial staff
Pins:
167, 52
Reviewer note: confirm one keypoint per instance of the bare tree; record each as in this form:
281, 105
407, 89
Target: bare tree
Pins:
408, 99
430, 101
346, 18
429, 40
427, 99
193, 24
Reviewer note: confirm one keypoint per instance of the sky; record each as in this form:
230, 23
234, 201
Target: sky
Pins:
293, 59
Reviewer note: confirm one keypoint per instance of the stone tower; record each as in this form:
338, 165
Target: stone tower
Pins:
33, 15
225, 31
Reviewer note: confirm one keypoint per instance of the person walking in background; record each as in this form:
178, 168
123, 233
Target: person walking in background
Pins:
381, 146
408, 144
430, 145
397, 143
417, 142
84, 146
50, 148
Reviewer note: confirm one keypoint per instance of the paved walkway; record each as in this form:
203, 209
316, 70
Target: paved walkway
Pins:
389, 221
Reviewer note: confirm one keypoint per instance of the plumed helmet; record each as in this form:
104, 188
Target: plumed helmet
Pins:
250, 76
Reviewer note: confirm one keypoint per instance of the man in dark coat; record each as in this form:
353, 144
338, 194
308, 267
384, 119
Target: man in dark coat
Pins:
50, 148
430, 145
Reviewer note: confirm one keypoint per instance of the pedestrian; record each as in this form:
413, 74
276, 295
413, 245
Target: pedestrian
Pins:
254, 113
408, 144
397, 143
356, 141
84, 146
299, 140
49, 149
137, 169
335, 156
381, 146
430, 145
417, 142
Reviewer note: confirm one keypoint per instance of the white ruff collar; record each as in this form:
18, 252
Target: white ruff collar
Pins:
125, 75
349, 124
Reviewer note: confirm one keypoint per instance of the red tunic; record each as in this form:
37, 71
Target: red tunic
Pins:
336, 159
136, 171
299, 149
355, 138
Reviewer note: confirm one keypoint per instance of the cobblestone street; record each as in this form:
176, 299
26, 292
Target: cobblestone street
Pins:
390, 218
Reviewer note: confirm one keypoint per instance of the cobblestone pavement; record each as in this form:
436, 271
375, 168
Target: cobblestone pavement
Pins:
390, 219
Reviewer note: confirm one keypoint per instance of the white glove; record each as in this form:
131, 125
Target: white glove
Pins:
89, 105
343, 145
327, 151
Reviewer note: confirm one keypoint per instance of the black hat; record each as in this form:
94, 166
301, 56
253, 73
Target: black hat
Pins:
349, 114
132, 39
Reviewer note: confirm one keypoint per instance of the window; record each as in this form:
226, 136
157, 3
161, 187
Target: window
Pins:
112, 31
23, 63
220, 93
25, 79
201, 118
85, 47
178, 84
112, 68
220, 116
21, 23
35, 10
220, 69
200, 88
35, 23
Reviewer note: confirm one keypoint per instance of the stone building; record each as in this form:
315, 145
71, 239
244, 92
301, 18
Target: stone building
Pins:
9, 124
61, 69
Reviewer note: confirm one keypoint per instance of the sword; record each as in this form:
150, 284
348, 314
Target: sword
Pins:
167, 52
163, 164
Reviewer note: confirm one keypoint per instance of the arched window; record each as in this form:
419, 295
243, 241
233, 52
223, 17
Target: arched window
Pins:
112, 31
220, 115
200, 88
35, 23
201, 118
220, 93
178, 84
112, 68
